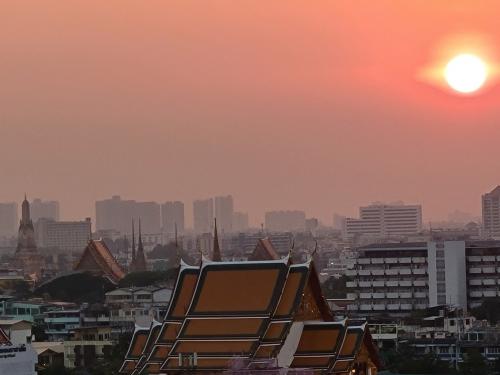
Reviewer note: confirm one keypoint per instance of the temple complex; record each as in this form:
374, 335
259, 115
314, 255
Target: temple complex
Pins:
250, 317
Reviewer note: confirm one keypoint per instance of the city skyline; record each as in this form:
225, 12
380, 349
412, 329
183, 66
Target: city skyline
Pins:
176, 112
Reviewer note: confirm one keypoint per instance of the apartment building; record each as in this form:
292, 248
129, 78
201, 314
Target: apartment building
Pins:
398, 278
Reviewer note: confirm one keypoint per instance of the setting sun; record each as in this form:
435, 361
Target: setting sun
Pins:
466, 73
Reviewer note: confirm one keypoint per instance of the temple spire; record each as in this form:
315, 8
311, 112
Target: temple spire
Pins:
140, 258
133, 242
216, 254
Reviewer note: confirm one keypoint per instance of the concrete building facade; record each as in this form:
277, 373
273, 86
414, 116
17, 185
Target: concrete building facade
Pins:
203, 215
65, 235
386, 220
491, 213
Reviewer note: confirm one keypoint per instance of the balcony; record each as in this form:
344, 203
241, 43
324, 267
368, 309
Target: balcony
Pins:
364, 272
475, 282
378, 283
488, 258
406, 306
391, 260
406, 260
419, 271
391, 272
405, 271
473, 258
393, 306
378, 295
378, 307
377, 260
419, 282
392, 295
365, 284
391, 283
405, 295
377, 272
474, 270
490, 293
365, 307
365, 295
405, 283
351, 284
352, 307
351, 272
475, 293
420, 295
489, 269
418, 259
489, 282
352, 296
420, 306
364, 260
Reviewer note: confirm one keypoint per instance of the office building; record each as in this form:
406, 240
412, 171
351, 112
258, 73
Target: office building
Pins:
240, 222
44, 209
203, 215
172, 215
399, 278
224, 209
491, 213
71, 236
385, 220
8, 219
116, 214
284, 221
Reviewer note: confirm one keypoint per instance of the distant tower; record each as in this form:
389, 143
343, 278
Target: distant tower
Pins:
26, 235
26, 256
133, 243
216, 253
140, 259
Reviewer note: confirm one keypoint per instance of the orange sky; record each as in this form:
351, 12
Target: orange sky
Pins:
284, 104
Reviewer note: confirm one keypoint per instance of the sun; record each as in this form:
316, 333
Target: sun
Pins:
466, 73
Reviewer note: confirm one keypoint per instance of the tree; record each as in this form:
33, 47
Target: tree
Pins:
335, 287
146, 278
489, 310
473, 364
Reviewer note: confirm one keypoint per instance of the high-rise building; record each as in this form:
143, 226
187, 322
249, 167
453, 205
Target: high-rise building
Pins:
491, 213
284, 221
8, 219
386, 220
172, 214
203, 215
224, 209
44, 209
71, 236
115, 214
240, 222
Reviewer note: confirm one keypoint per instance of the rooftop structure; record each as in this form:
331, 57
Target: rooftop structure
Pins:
97, 259
275, 314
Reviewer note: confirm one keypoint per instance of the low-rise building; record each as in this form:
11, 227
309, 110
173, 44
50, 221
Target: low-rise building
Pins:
86, 346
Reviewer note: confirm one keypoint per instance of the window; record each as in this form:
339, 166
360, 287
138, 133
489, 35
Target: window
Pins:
452, 323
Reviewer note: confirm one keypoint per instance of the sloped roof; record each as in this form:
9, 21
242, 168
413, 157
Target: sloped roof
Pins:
4, 339
101, 255
264, 250
224, 310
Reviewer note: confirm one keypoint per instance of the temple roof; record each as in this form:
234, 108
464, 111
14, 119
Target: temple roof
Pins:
264, 250
4, 339
255, 311
97, 258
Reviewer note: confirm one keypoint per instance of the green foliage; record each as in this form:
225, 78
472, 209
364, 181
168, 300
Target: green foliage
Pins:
335, 288
473, 364
489, 310
77, 287
146, 278
404, 360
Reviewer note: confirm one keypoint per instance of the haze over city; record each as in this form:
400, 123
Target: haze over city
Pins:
283, 105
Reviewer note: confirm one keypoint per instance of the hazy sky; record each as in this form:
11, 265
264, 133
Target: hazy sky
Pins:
284, 104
